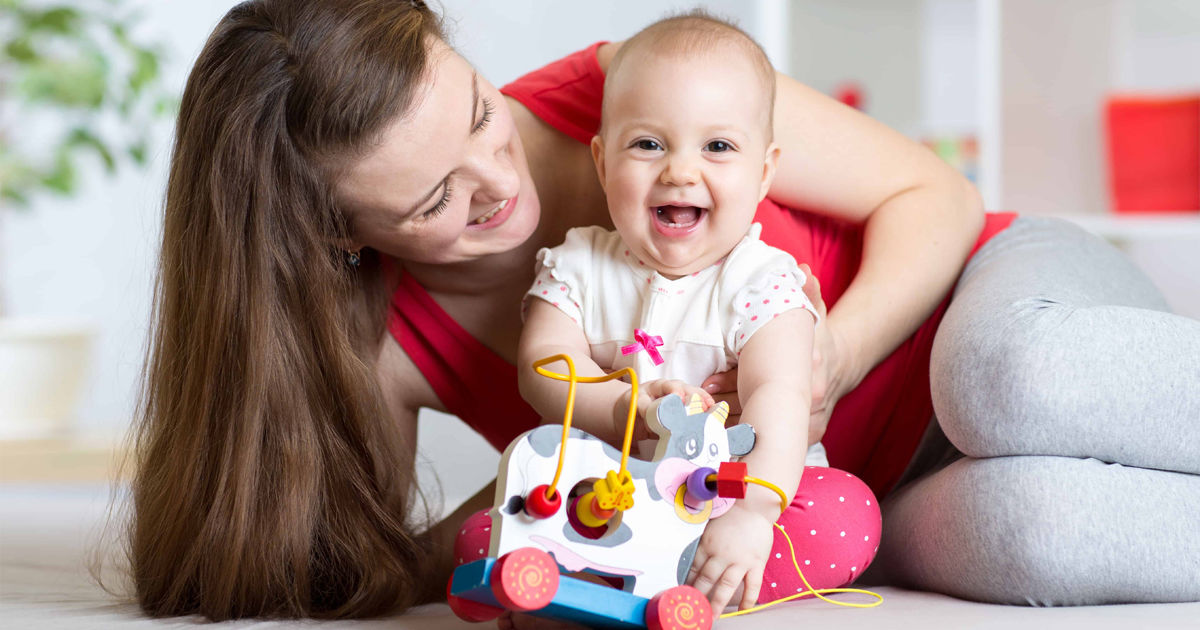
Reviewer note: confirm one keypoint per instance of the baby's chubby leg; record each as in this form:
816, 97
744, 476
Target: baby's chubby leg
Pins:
834, 526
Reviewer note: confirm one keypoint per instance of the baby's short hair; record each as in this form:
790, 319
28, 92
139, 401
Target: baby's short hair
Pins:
696, 31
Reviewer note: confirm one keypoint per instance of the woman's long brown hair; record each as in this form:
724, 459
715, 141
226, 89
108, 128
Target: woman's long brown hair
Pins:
269, 479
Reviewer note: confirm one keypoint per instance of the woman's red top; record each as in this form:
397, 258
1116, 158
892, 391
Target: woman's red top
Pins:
875, 428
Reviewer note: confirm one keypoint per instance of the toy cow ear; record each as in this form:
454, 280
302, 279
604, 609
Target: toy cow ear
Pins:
741, 439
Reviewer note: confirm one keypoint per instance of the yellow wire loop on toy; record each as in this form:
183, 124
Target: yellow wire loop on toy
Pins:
570, 378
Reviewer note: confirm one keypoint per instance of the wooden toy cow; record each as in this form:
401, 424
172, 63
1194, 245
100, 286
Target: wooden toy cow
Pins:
646, 549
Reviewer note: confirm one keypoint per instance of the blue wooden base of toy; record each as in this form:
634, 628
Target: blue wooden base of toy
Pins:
578, 601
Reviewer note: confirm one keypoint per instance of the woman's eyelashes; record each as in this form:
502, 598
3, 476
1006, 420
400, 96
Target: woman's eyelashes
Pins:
440, 206
488, 110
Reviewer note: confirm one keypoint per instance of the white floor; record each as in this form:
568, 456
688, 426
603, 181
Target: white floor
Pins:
46, 533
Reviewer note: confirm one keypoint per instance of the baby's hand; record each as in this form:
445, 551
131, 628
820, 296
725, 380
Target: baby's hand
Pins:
733, 551
649, 392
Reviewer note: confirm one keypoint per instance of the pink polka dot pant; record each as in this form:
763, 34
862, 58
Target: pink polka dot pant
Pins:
834, 524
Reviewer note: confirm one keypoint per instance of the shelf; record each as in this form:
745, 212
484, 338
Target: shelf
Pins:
1140, 226
58, 460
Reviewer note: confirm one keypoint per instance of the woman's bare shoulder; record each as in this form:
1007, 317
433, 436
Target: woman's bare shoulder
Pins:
606, 52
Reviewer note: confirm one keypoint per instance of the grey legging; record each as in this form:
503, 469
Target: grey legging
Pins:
1064, 466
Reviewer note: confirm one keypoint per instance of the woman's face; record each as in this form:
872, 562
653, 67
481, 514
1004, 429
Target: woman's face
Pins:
448, 181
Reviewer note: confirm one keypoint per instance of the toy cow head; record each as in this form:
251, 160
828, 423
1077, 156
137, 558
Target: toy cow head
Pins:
706, 443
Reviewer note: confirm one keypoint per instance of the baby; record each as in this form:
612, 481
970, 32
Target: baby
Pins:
684, 288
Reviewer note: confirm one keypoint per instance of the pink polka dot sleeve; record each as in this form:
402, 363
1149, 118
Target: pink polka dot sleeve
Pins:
559, 280
765, 298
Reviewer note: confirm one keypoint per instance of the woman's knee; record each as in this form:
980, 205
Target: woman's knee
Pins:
987, 379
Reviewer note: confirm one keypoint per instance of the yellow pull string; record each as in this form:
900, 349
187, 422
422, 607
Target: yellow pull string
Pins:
820, 594
571, 378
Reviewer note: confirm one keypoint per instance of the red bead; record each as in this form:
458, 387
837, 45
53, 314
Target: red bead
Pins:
538, 506
731, 480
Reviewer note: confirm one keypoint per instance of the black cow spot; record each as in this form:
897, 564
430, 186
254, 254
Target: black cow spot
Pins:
515, 505
685, 561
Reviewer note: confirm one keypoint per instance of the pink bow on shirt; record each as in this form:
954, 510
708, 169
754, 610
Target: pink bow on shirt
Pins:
647, 342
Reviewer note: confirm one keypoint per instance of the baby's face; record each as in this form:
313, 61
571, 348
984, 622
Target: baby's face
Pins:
684, 157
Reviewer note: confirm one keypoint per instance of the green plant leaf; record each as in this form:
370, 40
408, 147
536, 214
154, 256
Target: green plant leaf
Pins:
137, 151
145, 69
62, 178
83, 137
76, 82
62, 20
20, 49
166, 105
77, 64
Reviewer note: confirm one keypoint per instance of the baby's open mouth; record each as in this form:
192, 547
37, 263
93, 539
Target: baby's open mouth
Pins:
678, 216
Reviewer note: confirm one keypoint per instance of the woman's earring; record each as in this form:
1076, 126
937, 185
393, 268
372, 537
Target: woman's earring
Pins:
353, 258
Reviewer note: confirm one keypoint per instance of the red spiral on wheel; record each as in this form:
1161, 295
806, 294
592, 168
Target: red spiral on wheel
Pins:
525, 579
679, 608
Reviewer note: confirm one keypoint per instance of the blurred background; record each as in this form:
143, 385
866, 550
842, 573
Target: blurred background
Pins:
1086, 109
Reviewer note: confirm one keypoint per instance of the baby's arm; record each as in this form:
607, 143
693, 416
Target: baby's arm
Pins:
548, 331
773, 384
600, 408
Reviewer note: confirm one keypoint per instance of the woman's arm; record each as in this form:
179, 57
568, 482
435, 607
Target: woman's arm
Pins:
405, 392
445, 533
921, 218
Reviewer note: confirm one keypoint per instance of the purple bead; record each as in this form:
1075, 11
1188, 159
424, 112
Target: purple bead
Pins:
697, 488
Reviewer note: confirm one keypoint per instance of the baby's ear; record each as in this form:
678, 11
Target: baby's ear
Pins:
598, 158
770, 164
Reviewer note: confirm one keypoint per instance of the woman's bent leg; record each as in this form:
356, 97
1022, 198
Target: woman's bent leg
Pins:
1055, 344
1045, 531
1055, 350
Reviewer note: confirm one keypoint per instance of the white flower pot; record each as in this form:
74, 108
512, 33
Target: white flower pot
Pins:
43, 364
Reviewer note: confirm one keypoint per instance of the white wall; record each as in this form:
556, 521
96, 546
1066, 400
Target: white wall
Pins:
875, 43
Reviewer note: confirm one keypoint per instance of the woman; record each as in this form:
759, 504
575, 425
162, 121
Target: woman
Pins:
351, 219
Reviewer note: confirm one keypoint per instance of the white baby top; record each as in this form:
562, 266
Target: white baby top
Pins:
704, 320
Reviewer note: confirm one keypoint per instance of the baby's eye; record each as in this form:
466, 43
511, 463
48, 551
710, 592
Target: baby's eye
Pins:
719, 146
646, 144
